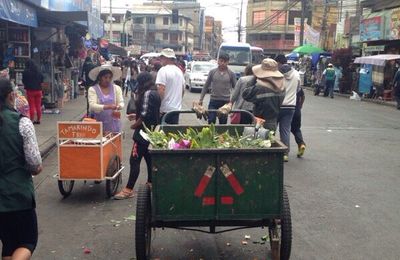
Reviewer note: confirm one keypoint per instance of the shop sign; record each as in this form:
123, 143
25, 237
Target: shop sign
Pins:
17, 12
395, 24
96, 26
376, 48
371, 29
66, 5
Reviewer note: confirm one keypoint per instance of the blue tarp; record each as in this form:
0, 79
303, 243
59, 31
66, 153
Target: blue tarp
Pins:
18, 12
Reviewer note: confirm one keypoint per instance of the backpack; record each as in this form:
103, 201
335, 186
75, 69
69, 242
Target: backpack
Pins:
330, 74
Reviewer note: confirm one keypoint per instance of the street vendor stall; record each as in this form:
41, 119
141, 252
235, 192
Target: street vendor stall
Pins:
224, 177
374, 72
84, 153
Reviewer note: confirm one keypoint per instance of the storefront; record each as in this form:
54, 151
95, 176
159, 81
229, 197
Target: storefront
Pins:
60, 49
16, 22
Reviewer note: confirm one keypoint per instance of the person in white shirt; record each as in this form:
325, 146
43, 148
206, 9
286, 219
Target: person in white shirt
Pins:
171, 86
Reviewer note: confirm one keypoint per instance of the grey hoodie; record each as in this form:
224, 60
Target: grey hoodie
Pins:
291, 84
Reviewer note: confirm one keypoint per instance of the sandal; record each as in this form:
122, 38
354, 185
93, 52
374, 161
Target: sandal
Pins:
124, 194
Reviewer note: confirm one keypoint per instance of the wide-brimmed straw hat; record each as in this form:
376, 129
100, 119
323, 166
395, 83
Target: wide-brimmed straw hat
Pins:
268, 68
168, 53
116, 71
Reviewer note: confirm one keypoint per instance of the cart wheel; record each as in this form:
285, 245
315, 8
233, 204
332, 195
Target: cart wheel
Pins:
112, 185
65, 187
280, 232
143, 226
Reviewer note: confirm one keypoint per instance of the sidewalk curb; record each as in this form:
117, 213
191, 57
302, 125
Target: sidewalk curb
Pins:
47, 147
374, 101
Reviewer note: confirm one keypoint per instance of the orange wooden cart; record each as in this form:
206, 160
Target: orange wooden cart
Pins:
84, 153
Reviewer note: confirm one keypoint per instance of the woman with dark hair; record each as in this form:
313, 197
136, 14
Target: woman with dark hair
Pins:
32, 80
20, 159
105, 98
148, 104
132, 78
237, 100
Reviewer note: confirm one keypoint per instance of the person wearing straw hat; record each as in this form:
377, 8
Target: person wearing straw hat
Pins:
171, 86
266, 92
105, 98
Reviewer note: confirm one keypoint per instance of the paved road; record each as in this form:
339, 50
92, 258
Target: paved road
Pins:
344, 198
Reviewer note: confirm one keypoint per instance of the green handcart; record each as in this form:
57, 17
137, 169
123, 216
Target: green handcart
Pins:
227, 189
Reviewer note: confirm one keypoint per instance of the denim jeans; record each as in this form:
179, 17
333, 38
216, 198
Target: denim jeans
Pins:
171, 119
330, 84
285, 123
212, 116
296, 127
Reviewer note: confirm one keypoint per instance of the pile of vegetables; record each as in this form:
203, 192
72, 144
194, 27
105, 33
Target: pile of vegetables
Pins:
206, 138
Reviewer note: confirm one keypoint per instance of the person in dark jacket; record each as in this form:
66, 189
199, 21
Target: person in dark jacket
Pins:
19, 160
148, 104
396, 88
88, 65
266, 92
32, 80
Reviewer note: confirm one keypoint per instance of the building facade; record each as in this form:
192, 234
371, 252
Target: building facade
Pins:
192, 9
153, 28
270, 24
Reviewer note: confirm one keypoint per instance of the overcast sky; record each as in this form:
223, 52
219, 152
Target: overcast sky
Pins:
225, 10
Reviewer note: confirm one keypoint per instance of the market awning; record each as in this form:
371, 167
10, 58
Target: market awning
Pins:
95, 25
116, 50
378, 60
18, 12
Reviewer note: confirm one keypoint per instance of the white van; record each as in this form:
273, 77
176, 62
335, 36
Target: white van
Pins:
239, 56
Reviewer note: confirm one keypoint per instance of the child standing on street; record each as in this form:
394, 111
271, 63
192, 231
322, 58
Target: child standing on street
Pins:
148, 104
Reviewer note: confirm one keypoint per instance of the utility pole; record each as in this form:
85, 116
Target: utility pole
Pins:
303, 14
111, 21
324, 25
240, 22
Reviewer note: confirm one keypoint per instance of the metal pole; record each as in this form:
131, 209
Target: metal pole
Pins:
240, 21
303, 14
324, 25
110, 21
123, 31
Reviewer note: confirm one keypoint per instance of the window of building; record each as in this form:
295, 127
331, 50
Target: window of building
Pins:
151, 37
289, 36
173, 37
258, 17
137, 35
279, 17
166, 21
165, 36
138, 20
181, 22
292, 15
150, 20
180, 36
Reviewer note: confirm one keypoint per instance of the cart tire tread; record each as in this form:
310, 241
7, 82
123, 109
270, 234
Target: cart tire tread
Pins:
65, 192
112, 185
143, 228
286, 228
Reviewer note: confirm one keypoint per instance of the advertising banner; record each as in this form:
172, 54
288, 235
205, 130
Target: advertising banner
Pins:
395, 24
311, 36
371, 29
18, 12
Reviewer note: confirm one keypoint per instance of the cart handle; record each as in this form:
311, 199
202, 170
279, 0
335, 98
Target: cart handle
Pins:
189, 111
